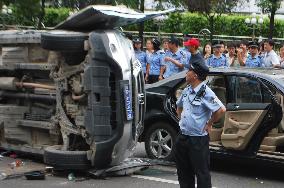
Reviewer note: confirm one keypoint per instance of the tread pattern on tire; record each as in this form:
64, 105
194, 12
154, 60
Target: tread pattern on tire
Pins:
66, 43
66, 159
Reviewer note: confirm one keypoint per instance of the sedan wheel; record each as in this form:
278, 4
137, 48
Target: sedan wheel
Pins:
160, 139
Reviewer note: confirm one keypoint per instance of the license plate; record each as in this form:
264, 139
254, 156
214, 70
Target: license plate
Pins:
128, 103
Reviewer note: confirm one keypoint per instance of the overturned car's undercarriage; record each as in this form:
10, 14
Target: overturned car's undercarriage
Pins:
67, 103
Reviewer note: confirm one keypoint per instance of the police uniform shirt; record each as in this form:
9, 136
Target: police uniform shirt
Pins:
171, 68
141, 56
253, 61
188, 54
214, 61
155, 61
196, 110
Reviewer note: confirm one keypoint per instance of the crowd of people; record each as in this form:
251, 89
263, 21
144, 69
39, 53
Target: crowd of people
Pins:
163, 59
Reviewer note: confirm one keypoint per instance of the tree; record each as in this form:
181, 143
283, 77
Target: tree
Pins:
270, 6
212, 9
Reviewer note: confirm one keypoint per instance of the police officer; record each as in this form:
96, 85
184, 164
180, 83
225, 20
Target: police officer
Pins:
174, 60
253, 60
198, 108
139, 54
217, 59
154, 62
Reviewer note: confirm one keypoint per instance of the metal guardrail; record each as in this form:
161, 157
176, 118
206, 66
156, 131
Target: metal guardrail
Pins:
225, 38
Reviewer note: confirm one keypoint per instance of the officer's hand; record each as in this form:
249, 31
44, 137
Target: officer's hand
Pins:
161, 78
168, 59
208, 128
146, 78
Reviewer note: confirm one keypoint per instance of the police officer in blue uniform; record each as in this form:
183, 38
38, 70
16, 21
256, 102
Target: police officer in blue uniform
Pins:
174, 60
198, 108
154, 62
139, 54
217, 59
253, 60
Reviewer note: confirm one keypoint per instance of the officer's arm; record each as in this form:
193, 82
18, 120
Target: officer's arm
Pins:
179, 111
162, 70
176, 62
216, 116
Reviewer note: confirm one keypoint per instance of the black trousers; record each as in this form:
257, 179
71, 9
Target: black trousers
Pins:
192, 158
152, 79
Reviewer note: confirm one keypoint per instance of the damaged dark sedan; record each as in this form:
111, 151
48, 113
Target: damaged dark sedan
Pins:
252, 126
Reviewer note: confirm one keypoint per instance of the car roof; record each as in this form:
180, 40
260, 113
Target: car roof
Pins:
273, 75
106, 17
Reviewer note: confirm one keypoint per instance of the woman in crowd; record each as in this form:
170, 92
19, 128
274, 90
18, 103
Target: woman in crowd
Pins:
154, 61
140, 55
231, 55
207, 51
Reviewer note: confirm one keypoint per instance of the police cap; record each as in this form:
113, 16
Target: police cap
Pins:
253, 44
174, 40
200, 68
137, 40
217, 44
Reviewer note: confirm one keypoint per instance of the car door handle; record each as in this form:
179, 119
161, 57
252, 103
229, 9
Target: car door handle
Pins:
236, 106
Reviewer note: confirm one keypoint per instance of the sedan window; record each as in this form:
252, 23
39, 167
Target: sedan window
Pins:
245, 90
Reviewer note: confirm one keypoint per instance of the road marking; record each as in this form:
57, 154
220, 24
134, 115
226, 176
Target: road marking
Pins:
155, 179
158, 179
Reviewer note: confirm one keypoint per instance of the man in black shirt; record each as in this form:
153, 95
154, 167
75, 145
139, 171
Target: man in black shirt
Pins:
192, 45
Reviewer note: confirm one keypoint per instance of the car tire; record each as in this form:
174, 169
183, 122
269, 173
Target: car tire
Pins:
154, 144
63, 41
59, 159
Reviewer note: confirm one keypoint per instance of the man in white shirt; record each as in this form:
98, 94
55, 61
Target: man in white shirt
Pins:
270, 58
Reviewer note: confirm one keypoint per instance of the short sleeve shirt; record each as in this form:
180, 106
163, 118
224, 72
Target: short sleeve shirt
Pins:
155, 61
253, 61
214, 61
197, 110
270, 59
171, 68
141, 56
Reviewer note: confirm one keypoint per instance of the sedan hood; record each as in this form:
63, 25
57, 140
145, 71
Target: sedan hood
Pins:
106, 17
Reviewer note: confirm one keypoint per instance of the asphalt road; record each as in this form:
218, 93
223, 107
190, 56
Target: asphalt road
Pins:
225, 174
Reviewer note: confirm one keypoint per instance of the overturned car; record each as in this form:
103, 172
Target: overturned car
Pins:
74, 95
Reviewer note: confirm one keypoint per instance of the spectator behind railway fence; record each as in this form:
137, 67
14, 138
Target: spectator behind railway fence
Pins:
154, 61
270, 58
231, 55
253, 60
207, 51
174, 60
165, 45
192, 45
217, 59
242, 52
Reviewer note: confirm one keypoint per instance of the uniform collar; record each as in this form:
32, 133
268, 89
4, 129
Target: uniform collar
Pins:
174, 53
215, 57
196, 89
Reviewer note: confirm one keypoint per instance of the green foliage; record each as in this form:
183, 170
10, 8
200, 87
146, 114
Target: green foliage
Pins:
233, 25
269, 5
26, 12
54, 16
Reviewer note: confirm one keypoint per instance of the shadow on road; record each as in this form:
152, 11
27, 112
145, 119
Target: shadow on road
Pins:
249, 168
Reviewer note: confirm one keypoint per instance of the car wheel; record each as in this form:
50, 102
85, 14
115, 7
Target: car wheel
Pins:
59, 159
159, 141
63, 41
